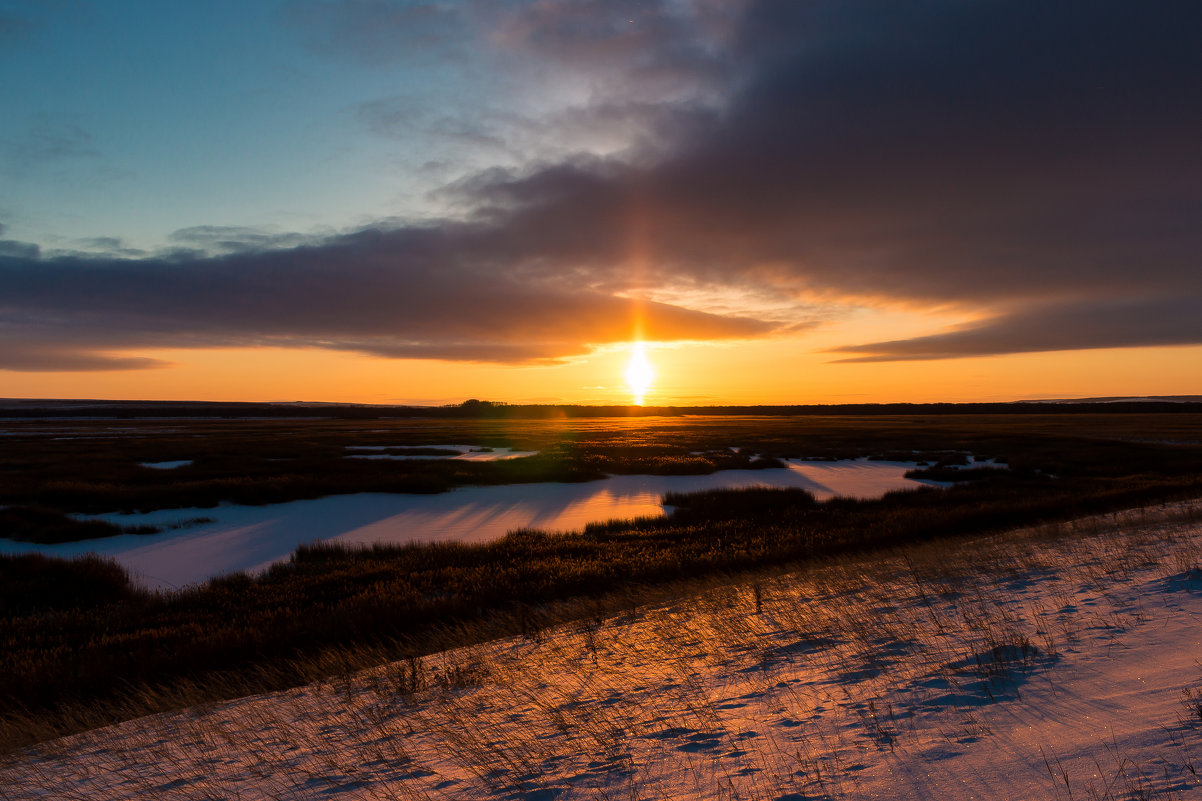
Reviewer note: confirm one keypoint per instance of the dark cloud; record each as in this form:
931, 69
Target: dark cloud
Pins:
408, 293
984, 155
21, 250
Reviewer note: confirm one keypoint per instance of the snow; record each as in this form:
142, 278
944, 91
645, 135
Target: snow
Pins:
1047, 664
253, 537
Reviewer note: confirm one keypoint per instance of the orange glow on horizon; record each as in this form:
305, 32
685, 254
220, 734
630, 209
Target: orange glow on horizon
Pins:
781, 370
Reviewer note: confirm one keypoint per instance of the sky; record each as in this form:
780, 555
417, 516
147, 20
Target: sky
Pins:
789, 201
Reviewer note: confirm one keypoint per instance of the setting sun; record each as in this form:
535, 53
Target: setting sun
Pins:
639, 373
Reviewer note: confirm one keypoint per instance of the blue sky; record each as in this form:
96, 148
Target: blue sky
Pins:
133, 120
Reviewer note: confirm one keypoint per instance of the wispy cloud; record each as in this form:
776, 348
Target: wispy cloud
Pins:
14, 29
112, 246
215, 239
1072, 326
57, 144
45, 358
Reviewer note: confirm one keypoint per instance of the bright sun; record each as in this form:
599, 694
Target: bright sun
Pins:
639, 373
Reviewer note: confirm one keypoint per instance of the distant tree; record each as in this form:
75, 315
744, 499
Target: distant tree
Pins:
474, 407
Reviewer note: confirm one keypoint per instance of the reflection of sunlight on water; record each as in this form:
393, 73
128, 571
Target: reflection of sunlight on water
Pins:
606, 505
858, 479
478, 514
488, 514
252, 537
417, 525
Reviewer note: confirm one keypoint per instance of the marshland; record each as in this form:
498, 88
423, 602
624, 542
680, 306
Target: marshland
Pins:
86, 644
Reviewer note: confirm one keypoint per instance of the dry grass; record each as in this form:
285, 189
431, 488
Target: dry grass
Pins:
677, 690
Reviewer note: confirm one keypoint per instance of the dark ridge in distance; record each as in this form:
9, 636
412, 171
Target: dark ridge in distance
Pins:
1125, 399
134, 409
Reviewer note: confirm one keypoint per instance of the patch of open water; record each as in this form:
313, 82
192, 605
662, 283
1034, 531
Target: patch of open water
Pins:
253, 537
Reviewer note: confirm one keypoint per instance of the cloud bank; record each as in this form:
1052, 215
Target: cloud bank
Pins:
1037, 164
436, 293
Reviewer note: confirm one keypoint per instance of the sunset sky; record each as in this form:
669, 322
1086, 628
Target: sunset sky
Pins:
801, 201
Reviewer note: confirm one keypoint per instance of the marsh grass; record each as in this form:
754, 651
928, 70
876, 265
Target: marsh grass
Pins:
46, 526
765, 685
120, 651
94, 466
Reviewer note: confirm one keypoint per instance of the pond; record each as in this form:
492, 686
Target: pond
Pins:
234, 538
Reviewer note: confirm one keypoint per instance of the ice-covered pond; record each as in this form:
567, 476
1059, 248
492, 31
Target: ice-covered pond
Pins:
253, 537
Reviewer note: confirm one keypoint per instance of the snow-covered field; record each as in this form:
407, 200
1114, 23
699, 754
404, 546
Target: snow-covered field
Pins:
1045, 664
232, 538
